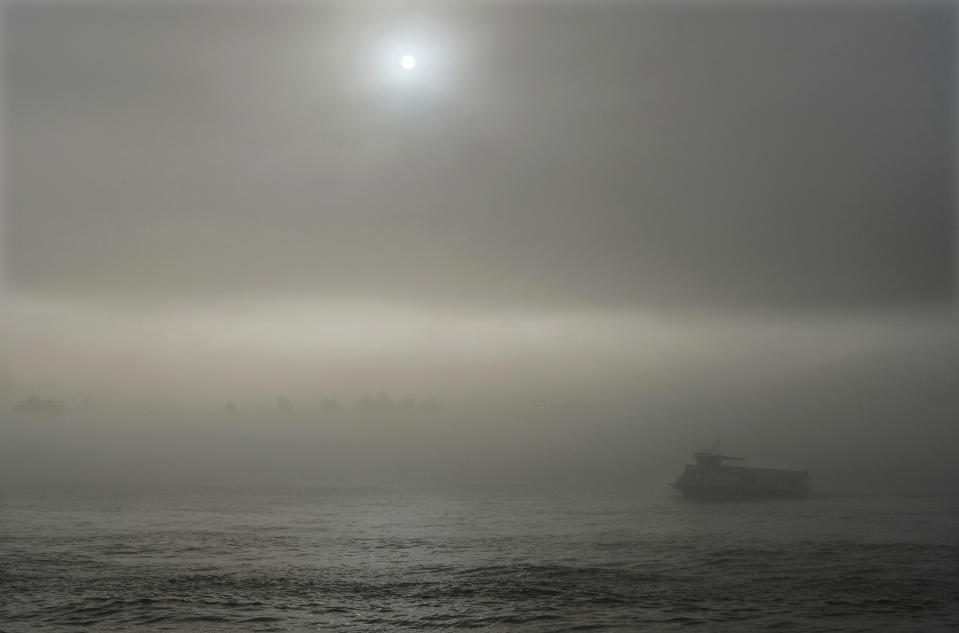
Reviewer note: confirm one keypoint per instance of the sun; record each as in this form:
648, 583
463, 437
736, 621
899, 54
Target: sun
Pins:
408, 62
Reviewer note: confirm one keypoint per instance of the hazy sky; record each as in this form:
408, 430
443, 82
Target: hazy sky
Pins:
566, 157
726, 216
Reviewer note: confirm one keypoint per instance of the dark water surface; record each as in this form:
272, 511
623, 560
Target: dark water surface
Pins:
378, 560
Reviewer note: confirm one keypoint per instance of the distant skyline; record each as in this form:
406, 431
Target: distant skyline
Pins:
714, 220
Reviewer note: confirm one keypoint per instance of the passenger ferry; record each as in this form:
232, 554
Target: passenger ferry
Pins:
711, 478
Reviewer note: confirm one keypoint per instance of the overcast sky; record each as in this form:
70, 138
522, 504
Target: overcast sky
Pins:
573, 156
730, 216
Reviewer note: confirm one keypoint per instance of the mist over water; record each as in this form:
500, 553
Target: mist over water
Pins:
314, 397
296, 335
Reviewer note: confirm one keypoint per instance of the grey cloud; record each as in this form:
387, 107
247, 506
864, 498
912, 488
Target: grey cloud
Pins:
639, 156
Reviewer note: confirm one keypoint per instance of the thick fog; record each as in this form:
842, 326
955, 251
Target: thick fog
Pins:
243, 246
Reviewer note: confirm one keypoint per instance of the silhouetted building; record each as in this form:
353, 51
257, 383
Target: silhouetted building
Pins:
34, 405
364, 405
330, 406
6, 388
284, 406
379, 405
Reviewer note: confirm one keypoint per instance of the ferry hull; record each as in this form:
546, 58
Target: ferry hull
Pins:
695, 491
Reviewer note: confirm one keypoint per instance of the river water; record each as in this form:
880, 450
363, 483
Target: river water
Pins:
366, 559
